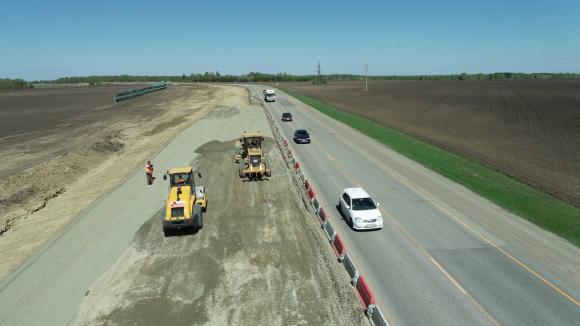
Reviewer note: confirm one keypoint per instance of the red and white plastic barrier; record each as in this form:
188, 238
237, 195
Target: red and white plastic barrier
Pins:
363, 291
297, 166
365, 296
311, 193
339, 248
322, 216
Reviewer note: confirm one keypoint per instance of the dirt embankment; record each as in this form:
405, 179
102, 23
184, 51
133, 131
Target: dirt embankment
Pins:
51, 172
529, 129
259, 260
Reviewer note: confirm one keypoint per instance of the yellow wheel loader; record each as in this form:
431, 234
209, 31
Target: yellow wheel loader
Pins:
182, 209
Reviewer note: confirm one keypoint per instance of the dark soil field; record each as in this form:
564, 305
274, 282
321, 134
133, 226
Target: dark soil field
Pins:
20, 109
528, 129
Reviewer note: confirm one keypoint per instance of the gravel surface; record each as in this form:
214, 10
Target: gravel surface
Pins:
259, 260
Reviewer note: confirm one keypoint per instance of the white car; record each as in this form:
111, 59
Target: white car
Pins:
360, 210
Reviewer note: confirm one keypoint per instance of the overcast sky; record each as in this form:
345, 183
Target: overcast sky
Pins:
50, 39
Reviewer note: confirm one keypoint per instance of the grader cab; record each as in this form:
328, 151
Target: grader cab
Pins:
251, 158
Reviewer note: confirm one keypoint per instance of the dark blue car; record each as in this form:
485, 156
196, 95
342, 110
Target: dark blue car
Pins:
301, 136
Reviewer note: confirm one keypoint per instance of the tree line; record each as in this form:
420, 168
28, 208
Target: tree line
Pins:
284, 77
6, 83
481, 76
254, 77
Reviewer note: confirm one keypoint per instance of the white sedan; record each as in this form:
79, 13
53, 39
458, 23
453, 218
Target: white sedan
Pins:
360, 210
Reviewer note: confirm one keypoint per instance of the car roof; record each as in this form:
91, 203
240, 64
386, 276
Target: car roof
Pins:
301, 130
286, 113
356, 192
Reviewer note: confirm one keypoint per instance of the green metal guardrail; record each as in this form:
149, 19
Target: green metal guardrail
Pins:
124, 96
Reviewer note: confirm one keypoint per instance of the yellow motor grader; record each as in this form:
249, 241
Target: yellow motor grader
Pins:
251, 157
184, 206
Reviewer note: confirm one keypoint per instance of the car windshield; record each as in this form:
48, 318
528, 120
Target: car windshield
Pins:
302, 133
286, 115
361, 204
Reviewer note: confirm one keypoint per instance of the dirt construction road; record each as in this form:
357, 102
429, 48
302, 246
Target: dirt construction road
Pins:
54, 167
254, 263
258, 260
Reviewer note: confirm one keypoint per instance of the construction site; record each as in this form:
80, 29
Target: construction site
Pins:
290, 163
257, 258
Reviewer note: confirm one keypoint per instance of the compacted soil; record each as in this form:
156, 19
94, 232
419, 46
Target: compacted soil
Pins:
260, 259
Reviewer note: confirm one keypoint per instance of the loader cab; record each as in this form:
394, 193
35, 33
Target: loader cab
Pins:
181, 177
255, 160
255, 142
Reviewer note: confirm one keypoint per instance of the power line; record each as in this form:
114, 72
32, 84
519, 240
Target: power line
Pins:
366, 77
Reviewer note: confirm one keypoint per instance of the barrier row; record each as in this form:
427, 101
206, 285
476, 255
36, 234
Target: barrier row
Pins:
364, 294
123, 96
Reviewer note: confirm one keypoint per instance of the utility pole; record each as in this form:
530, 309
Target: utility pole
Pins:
366, 77
319, 77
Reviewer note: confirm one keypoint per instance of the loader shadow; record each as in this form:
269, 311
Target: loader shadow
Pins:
251, 180
181, 232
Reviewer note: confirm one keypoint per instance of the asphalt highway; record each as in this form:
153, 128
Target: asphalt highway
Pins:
445, 256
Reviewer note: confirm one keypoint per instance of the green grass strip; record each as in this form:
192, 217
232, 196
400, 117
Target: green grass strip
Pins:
538, 207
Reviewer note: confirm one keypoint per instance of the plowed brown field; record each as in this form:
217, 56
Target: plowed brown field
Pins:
527, 129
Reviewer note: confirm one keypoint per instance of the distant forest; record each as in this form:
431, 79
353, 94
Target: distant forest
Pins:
255, 77
283, 77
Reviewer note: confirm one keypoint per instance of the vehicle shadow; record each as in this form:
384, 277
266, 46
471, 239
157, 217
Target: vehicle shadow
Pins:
348, 222
251, 180
181, 232
343, 217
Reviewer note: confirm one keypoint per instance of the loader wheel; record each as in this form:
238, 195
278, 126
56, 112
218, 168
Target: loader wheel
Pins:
268, 173
198, 220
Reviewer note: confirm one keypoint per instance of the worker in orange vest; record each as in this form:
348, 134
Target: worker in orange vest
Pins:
149, 172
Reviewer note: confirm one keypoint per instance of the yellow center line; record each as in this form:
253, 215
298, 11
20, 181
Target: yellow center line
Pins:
517, 261
428, 199
434, 261
424, 252
421, 249
352, 180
